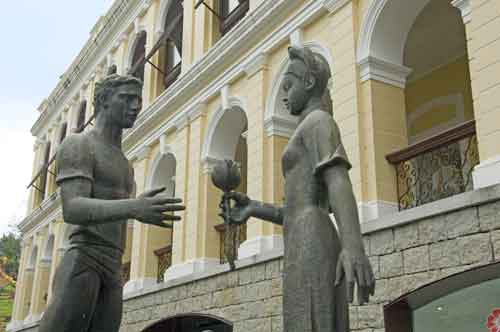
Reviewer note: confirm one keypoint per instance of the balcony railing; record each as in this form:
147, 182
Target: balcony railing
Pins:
436, 168
125, 272
164, 256
241, 237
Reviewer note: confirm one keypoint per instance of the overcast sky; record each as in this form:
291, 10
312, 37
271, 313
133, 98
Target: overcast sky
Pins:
40, 38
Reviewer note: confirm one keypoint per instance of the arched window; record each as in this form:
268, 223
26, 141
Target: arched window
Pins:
139, 54
63, 132
43, 177
231, 12
227, 12
226, 139
413, 60
170, 44
163, 175
80, 123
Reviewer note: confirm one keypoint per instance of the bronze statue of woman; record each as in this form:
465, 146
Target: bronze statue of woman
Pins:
320, 268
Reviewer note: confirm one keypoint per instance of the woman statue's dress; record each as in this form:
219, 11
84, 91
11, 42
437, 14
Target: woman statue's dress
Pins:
312, 245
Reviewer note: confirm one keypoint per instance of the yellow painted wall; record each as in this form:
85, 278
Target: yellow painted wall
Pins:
451, 79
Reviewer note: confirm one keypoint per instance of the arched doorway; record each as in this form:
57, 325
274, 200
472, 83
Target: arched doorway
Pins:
191, 323
162, 175
415, 69
226, 139
466, 301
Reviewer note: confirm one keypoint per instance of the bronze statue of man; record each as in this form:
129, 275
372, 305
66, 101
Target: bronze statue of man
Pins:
97, 184
320, 268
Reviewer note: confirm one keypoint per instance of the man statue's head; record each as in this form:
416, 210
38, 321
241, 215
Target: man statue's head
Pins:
307, 76
118, 99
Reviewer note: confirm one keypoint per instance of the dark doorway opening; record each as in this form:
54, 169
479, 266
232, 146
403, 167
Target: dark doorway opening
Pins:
191, 323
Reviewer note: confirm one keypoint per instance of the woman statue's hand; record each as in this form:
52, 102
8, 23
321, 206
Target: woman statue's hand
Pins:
356, 268
242, 209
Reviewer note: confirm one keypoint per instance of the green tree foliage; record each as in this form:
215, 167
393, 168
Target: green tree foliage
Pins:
10, 247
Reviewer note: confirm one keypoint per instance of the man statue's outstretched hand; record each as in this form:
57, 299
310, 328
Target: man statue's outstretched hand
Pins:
151, 208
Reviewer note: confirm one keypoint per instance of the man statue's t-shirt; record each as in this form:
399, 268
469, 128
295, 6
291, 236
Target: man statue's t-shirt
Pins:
87, 156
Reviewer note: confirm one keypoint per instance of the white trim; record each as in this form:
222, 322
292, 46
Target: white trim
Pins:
259, 245
134, 38
32, 319
208, 164
156, 163
190, 268
371, 68
138, 285
165, 148
197, 111
487, 173
296, 38
465, 8
277, 121
458, 202
258, 63
369, 211
142, 154
224, 96
233, 104
15, 325
162, 17
230, 48
380, 17
334, 5
280, 126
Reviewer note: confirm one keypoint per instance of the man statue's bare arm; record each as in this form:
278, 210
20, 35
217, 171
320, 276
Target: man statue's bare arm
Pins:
80, 208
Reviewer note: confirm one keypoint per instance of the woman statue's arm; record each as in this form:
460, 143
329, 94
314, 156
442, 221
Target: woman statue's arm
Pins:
353, 264
245, 208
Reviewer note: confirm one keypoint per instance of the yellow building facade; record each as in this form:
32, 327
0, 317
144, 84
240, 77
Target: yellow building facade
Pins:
414, 88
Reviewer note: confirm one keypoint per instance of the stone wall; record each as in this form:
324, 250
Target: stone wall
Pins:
403, 257
408, 257
250, 298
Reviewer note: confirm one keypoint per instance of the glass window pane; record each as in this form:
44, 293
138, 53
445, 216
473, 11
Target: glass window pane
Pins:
233, 4
462, 311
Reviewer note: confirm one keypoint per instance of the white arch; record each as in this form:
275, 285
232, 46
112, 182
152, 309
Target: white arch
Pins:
164, 165
276, 118
49, 248
131, 46
215, 145
162, 17
385, 29
33, 258
383, 34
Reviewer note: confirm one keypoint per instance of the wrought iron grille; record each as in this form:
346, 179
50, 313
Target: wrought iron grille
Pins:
242, 236
436, 168
164, 256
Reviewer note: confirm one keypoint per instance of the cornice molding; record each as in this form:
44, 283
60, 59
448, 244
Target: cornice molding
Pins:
248, 34
112, 37
334, 5
199, 110
465, 7
142, 154
49, 210
257, 64
371, 68
279, 126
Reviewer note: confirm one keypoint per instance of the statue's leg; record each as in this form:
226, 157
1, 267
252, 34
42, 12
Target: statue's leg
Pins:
108, 313
76, 292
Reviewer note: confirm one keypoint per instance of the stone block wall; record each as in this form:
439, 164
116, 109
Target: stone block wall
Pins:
250, 298
404, 258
